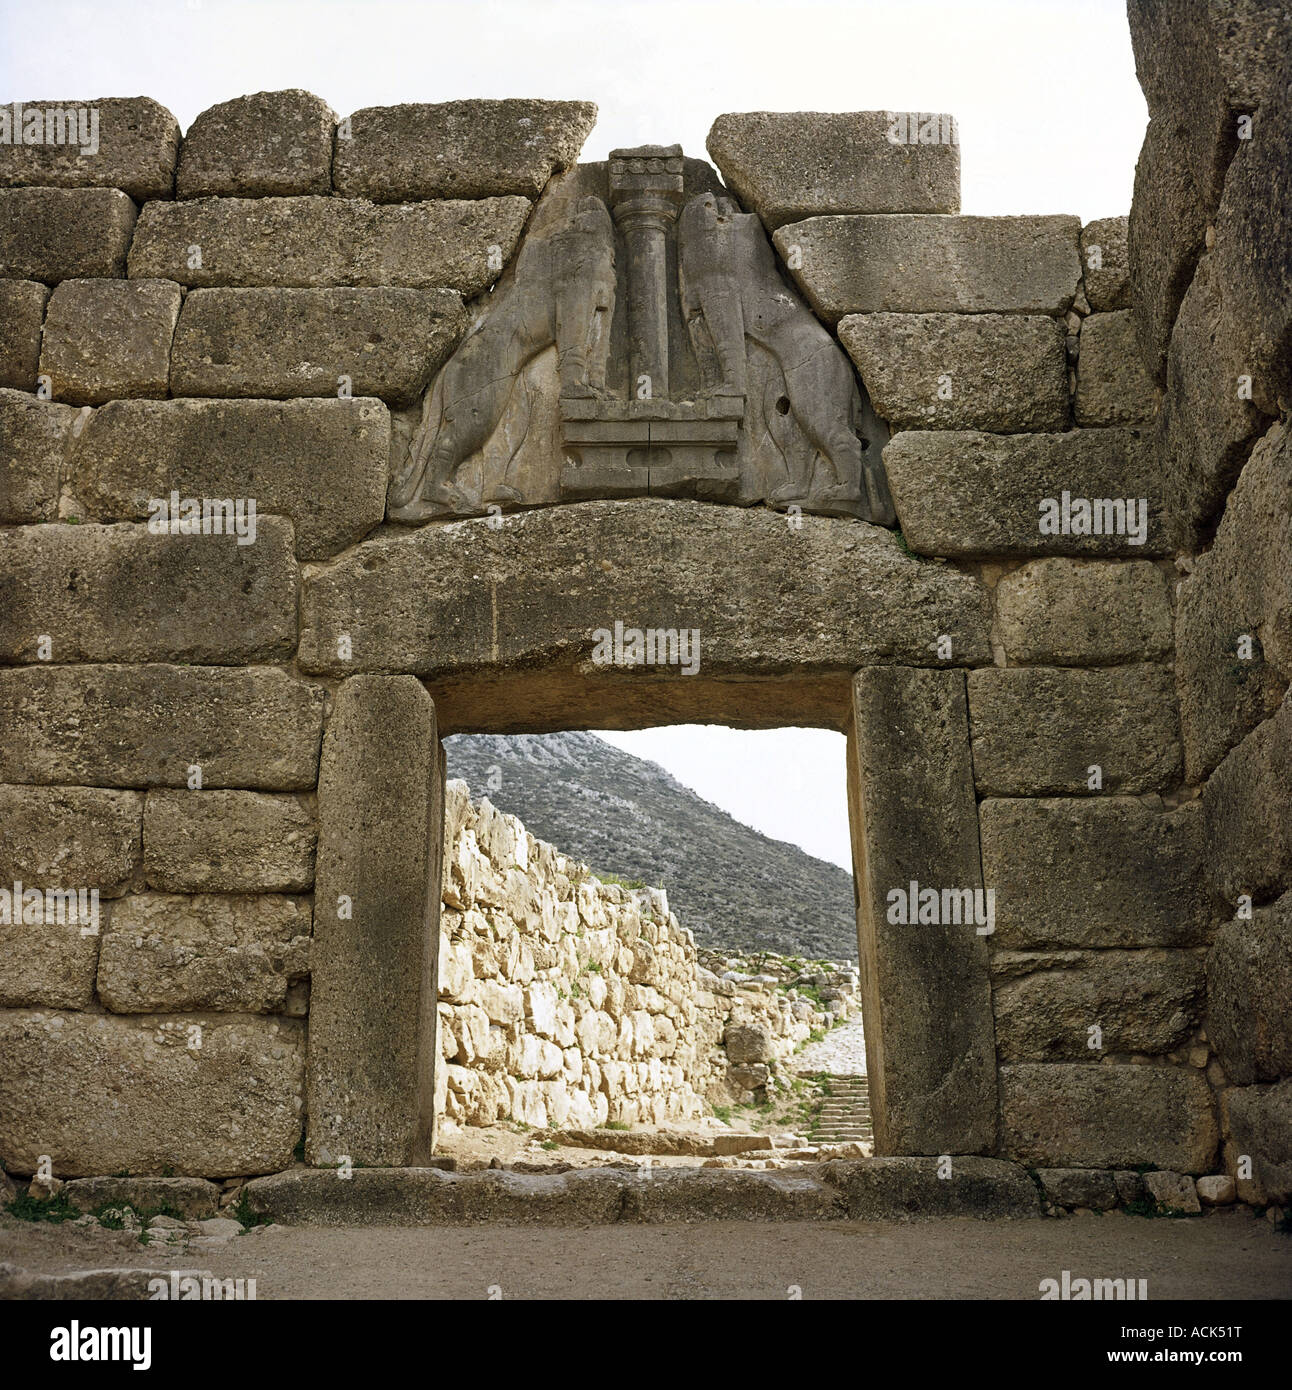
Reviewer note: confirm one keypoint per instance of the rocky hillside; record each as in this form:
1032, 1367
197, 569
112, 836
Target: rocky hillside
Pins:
735, 889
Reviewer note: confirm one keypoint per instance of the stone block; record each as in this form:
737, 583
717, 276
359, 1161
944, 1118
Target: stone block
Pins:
1094, 872
319, 242
1249, 983
1039, 731
194, 1198
913, 817
122, 593
53, 234
969, 493
1142, 1001
1070, 1115
373, 1047
33, 438
70, 837
1173, 1192
210, 952
1002, 372
747, 1042
228, 842
457, 149
47, 964
1215, 1190
1234, 624
139, 726
696, 1194
109, 339
271, 143
885, 1189
1105, 264
1260, 1125
363, 342
135, 150
1076, 613
1079, 1187
933, 264
322, 463
22, 311
791, 165
103, 1094
1112, 386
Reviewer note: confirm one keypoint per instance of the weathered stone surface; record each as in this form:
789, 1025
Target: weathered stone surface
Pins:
317, 242
371, 342
961, 371
373, 1047
228, 842
1206, 428
931, 264
1165, 236
1038, 731
109, 339
137, 726
1249, 983
1094, 872
1079, 1187
970, 493
189, 598
138, 141
748, 1042
1248, 806
1105, 264
1173, 1192
70, 837
1260, 1125
47, 964
1234, 629
22, 310
1070, 1115
1142, 1001
1215, 1190
458, 149
323, 463
270, 143
100, 1094
1112, 385
913, 817
790, 165
193, 1198
33, 435
54, 234
221, 952
846, 593
682, 1194
879, 1189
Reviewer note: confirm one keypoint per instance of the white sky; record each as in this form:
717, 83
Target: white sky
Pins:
1051, 119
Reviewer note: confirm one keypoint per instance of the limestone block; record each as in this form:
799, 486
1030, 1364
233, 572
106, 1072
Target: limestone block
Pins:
1215, 1190
1074, 1115
136, 148
267, 342
376, 924
1079, 1187
898, 1188
22, 310
1234, 628
317, 242
228, 842
1002, 372
1249, 981
70, 837
458, 149
220, 952
933, 264
790, 165
101, 1094
48, 964
322, 463
1076, 613
193, 1198
1112, 385
748, 1042
1105, 266
53, 234
1173, 1192
1039, 731
272, 143
135, 726
1142, 1001
1260, 1125
123, 593
970, 493
1094, 872
109, 339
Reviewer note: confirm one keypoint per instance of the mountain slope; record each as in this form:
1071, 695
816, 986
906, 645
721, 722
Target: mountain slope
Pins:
735, 888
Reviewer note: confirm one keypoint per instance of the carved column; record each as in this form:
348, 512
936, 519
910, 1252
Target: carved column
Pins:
645, 194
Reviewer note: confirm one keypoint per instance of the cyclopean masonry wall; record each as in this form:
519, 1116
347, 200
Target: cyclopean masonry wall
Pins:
283, 320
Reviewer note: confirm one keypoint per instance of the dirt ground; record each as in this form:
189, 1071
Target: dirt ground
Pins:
1228, 1255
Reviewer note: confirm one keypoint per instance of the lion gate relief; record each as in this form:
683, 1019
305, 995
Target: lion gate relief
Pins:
644, 342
